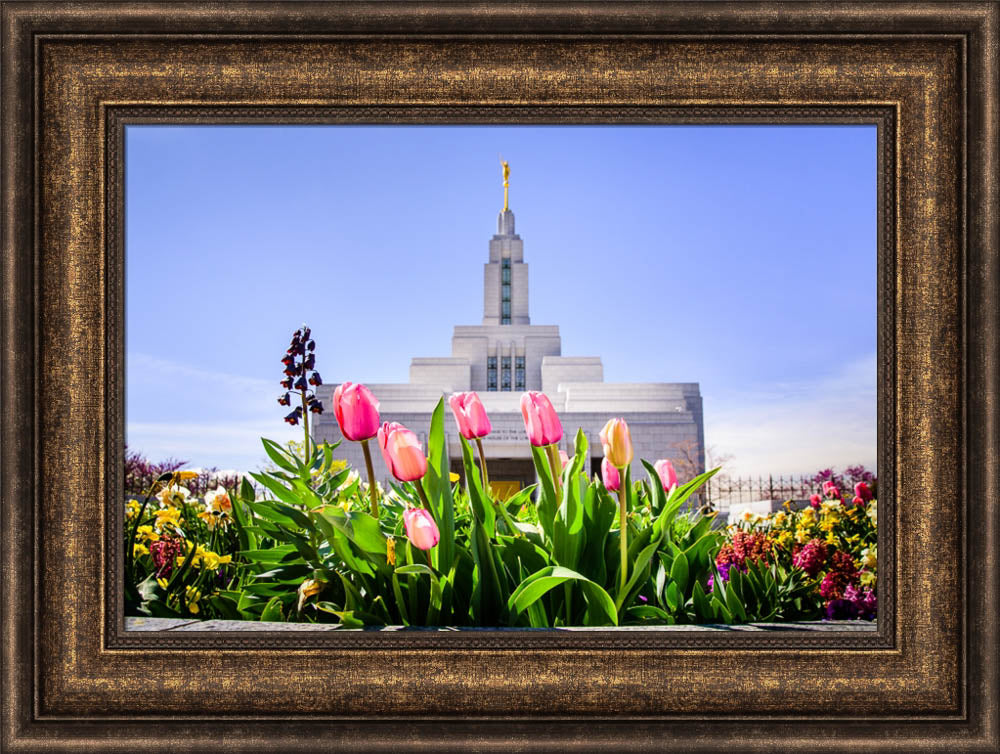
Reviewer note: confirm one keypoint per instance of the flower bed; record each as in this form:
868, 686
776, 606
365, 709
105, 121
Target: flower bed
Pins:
310, 543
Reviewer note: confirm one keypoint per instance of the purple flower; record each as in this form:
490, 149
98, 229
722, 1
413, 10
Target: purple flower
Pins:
842, 609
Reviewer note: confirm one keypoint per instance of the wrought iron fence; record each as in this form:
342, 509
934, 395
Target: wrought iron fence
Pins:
722, 493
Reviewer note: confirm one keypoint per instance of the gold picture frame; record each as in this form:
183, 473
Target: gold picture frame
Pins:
74, 74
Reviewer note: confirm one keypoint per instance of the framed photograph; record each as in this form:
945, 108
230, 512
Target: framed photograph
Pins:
159, 158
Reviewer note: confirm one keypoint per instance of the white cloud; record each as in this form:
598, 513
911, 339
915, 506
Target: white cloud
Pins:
797, 427
185, 412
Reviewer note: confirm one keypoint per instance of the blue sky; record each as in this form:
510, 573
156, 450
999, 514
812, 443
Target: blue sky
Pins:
740, 257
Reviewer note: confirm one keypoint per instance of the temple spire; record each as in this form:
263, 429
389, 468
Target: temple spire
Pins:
506, 181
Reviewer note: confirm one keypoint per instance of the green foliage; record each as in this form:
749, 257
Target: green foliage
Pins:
304, 547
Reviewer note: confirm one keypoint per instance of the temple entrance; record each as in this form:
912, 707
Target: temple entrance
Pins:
507, 475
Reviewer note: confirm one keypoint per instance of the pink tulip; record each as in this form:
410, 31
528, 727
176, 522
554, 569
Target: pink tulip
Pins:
402, 452
610, 476
617, 442
540, 420
420, 528
814, 500
830, 490
665, 470
862, 491
356, 410
564, 458
470, 415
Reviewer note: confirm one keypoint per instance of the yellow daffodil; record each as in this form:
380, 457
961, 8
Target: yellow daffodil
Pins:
307, 589
146, 534
780, 519
390, 551
802, 536
168, 517
132, 509
191, 596
453, 477
139, 549
867, 578
869, 557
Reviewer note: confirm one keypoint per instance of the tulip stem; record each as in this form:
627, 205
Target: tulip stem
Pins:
623, 541
556, 465
482, 466
423, 496
372, 487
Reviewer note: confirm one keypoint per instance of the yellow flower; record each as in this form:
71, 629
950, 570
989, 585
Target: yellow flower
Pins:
168, 517
146, 533
869, 557
191, 596
453, 477
802, 536
867, 578
780, 518
139, 549
180, 476
809, 516
832, 539
390, 551
132, 509
162, 582
210, 560
307, 589
785, 538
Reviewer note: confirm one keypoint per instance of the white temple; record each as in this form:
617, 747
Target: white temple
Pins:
506, 355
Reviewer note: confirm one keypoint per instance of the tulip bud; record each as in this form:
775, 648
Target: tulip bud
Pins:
356, 410
470, 415
617, 442
420, 528
610, 476
540, 419
402, 452
665, 470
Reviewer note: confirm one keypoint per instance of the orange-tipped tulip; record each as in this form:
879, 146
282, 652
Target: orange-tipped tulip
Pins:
356, 410
402, 452
541, 421
610, 476
420, 528
617, 442
470, 415
668, 477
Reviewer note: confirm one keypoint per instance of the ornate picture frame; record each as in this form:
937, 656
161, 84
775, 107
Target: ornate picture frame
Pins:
74, 75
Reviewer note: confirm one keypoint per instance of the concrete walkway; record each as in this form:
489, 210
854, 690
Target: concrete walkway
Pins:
182, 624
